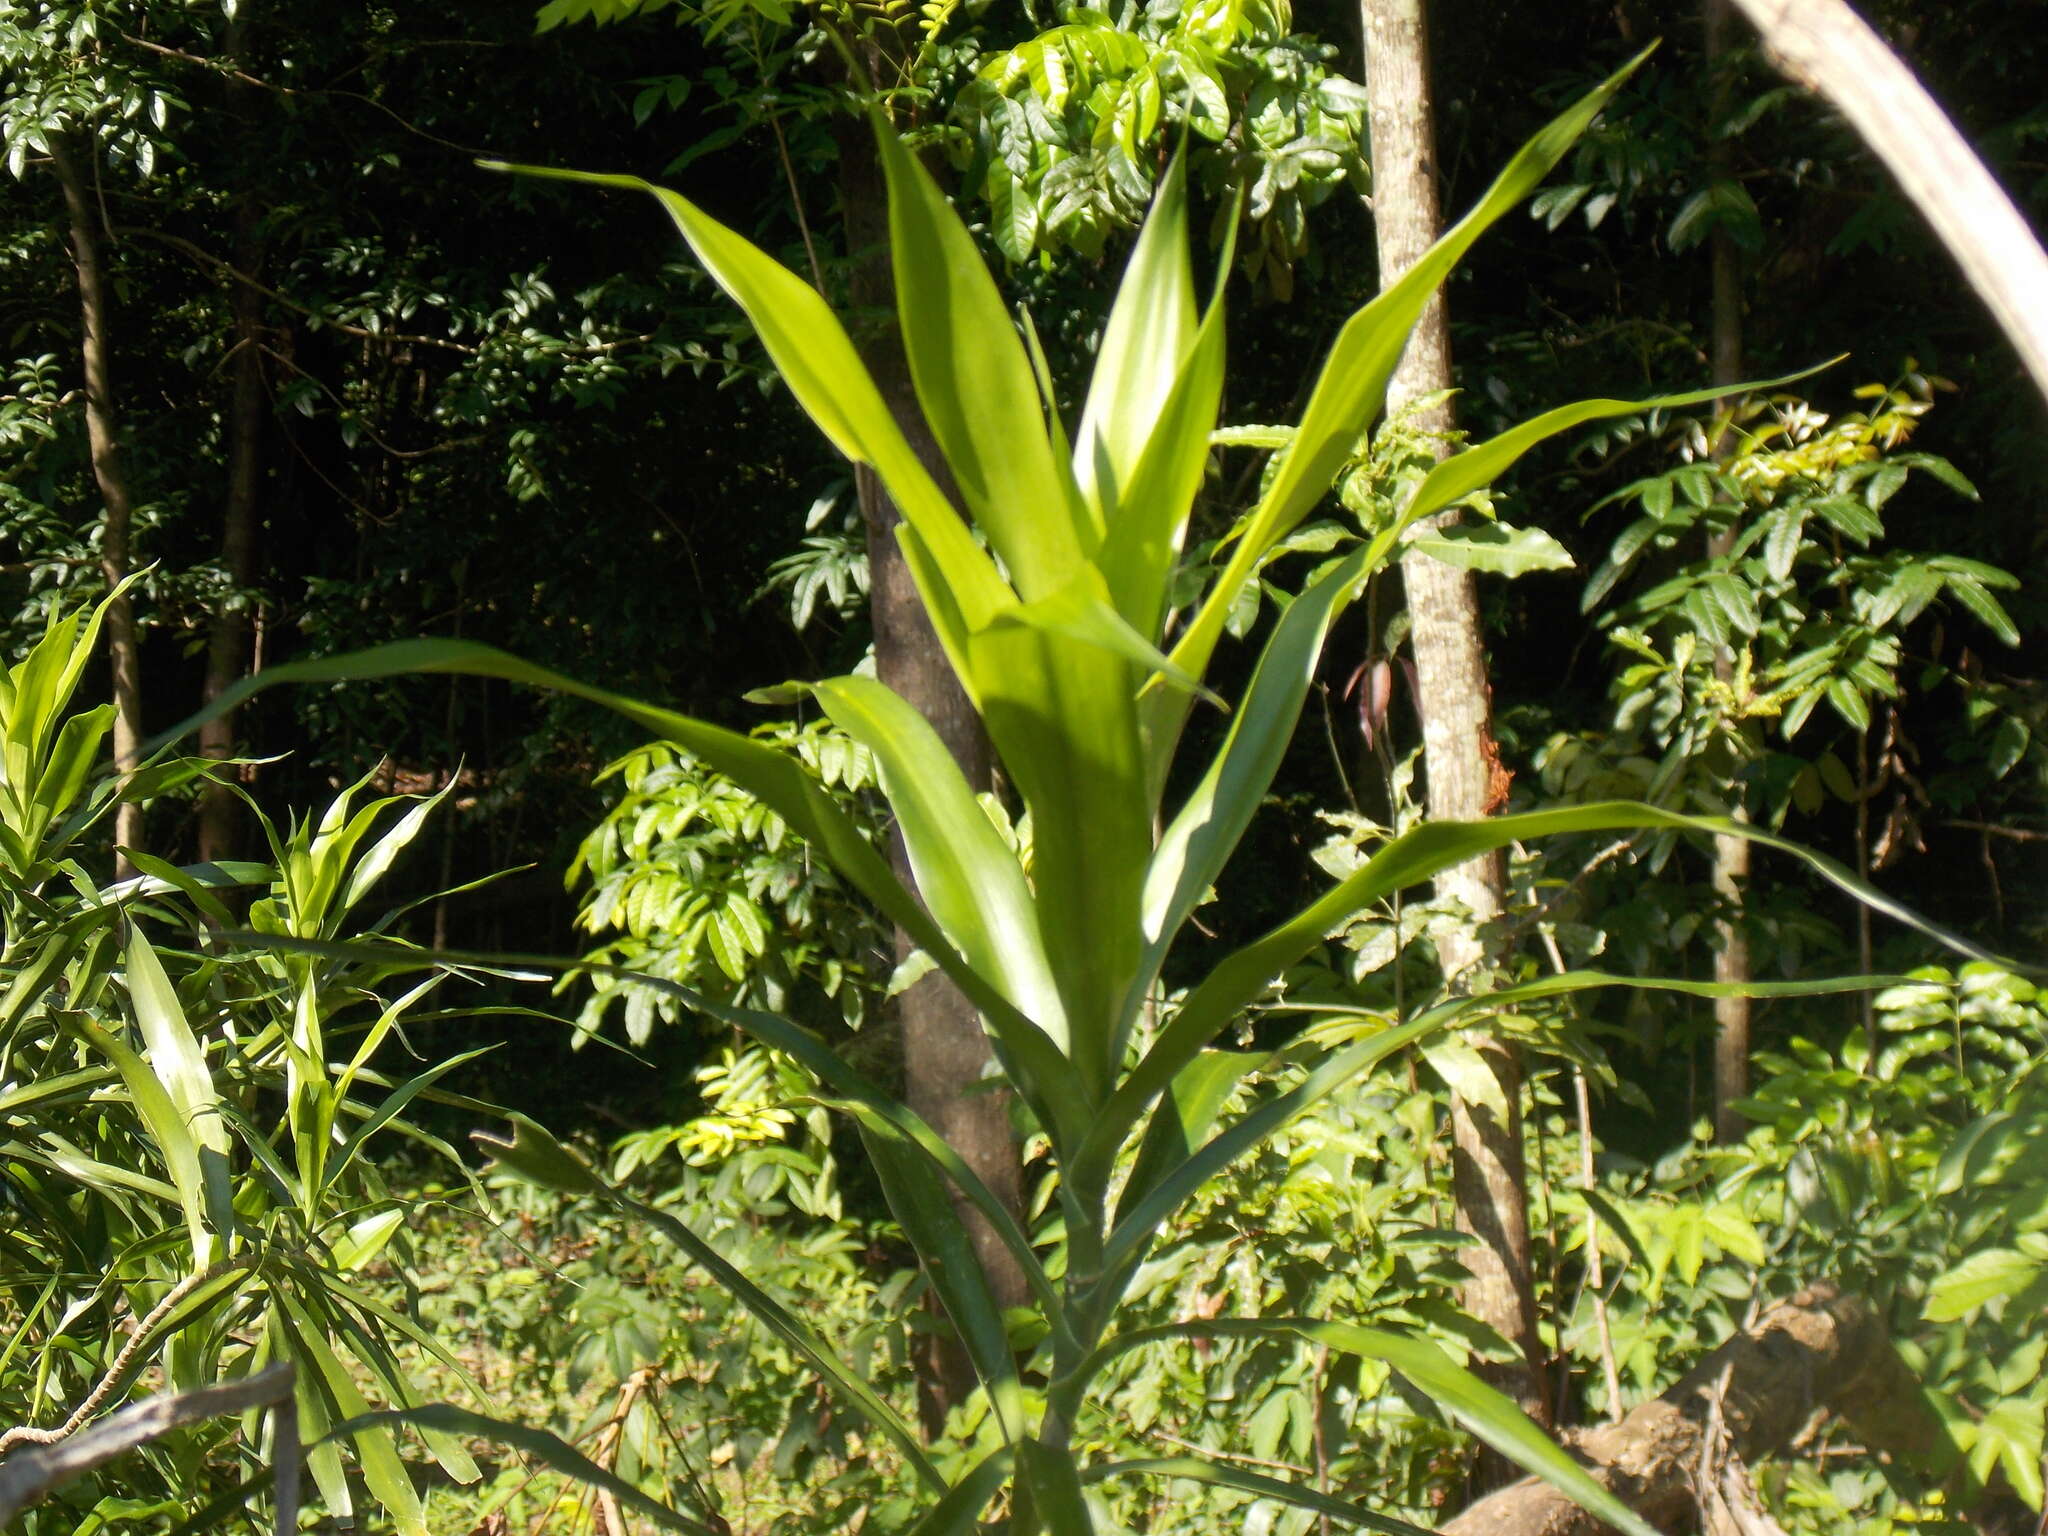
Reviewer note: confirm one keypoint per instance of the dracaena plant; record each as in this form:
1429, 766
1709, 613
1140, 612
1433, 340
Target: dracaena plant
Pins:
1049, 586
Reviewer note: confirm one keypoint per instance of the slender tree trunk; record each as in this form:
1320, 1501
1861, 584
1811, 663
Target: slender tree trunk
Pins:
945, 1051
102, 428
228, 631
1731, 854
1466, 780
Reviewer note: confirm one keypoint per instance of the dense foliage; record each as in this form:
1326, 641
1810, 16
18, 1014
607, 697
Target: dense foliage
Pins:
368, 391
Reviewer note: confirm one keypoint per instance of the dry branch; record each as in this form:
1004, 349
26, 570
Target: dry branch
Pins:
1826, 47
27, 1475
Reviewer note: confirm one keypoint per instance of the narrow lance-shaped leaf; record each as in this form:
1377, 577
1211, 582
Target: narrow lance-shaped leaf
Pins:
1165, 1188
975, 383
1352, 387
817, 359
1418, 855
1145, 537
778, 779
1063, 714
1477, 467
549, 1450
180, 1064
959, 1512
969, 877
383, 1469
1138, 366
954, 1270
1195, 1470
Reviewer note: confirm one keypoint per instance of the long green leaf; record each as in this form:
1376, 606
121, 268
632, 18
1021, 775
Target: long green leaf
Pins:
969, 877
1164, 1193
1209, 825
1217, 1474
1479, 466
376, 1449
1177, 1182
1415, 856
1063, 715
946, 1253
959, 1512
1082, 611
173, 1134
1145, 539
975, 382
778, 779
180, 1065
1138, 367
1183, 1119
393, 1105
535, 1155
818, 361
1353, 385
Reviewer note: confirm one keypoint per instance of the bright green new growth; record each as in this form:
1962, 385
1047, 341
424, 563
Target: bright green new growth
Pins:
1057, 629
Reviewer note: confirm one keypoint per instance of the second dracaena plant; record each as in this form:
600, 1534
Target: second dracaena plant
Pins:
1057, 626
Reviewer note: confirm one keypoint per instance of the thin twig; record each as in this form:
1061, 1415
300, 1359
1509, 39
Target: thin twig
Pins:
1241, 1460
796, 202
28, 1475
230, 72
228, 269
1992, 829
28, 1434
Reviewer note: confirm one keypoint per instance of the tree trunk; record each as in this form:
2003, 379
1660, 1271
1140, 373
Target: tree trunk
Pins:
1818, 1350
1731, 854
1466, 780
946, 1054
228, 630
102, 428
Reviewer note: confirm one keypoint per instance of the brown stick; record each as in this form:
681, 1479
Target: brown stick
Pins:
1825, 46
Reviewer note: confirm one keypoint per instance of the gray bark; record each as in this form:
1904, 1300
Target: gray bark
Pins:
1466, 780
1732, 1015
